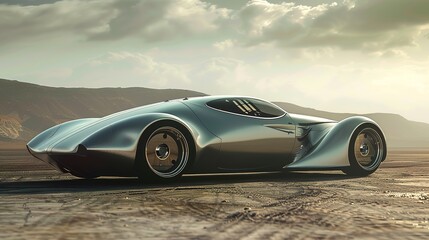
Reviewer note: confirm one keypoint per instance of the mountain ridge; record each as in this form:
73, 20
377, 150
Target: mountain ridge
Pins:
27, 109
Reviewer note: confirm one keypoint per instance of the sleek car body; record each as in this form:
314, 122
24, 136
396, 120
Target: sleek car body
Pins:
206, 135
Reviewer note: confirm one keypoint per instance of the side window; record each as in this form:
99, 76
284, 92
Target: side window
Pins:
248, 107
264, 109
227, 105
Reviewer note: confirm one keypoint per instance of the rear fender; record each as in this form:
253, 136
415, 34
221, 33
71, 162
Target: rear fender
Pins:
332, 150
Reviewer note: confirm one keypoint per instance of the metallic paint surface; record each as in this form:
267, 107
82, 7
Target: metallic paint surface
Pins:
332, 150
224, 142
252, 142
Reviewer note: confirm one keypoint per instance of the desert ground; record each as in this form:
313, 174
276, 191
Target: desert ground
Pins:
37, 202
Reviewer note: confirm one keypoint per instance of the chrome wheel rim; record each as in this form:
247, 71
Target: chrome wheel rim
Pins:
368, 149
167, 152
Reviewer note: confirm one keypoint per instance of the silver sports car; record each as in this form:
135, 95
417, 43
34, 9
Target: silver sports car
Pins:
211, 134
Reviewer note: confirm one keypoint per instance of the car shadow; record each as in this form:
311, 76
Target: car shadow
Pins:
205, 181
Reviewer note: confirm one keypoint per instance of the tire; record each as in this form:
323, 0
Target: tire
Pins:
165, 150
367, 149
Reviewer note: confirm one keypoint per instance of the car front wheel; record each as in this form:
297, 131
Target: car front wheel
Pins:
164, 152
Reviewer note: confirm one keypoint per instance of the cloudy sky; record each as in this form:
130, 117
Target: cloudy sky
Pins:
343, 56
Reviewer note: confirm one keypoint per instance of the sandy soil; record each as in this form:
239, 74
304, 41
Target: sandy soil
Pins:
393, 203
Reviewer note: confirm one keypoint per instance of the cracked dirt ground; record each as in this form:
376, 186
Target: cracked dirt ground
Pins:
393, 203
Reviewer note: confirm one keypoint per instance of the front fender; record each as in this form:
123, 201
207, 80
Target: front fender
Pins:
43, 141
332, 151
124, 135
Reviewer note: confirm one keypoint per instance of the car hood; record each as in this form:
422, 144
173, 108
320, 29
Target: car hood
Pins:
82, 128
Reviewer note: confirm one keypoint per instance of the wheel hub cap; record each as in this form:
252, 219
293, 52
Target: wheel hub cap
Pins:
162, 151
364, 149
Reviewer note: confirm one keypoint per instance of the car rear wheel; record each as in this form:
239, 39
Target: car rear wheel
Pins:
366, 150
164, 152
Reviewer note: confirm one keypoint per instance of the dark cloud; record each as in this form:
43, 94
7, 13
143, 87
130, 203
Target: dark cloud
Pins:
155, 20
371, 25
364, 24
27, 2
150, 20
27, 23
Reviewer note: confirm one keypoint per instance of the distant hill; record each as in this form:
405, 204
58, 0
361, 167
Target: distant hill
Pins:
27, 109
